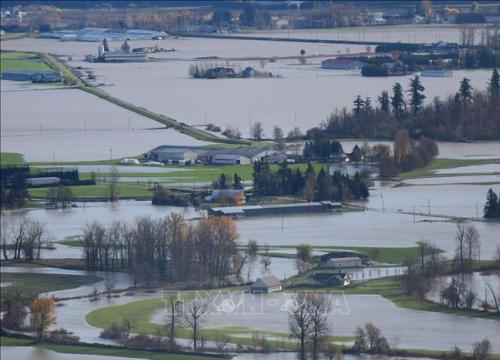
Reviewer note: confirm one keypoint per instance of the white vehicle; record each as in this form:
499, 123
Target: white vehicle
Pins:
153, 163
129, 162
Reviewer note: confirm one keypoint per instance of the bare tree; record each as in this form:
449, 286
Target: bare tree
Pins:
173, 315
300, 321
109, 285
461, 247
127, 327
256, 131
473, 245
319, 307
194, 311
495, 299
266, 259
481, 350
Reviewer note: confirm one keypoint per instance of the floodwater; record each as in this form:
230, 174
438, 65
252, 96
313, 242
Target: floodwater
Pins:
476, 282
489, 168
446, 180
303, 97
294, 356
409, 328
30, 353
67, 222
404, 33
80, 127
462, 200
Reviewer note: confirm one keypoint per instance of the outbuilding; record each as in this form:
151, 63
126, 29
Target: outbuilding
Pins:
344, 262
265, 285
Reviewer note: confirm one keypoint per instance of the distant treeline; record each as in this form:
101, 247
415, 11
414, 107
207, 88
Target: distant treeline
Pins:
468, 115
323, 186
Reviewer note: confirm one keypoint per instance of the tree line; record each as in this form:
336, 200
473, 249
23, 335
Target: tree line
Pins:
468, 114
22, 239
169, 249
312, 187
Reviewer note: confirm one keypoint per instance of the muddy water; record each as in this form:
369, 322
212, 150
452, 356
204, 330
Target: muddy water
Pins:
485, 179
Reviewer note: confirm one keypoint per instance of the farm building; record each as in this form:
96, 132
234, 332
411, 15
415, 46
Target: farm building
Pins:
276, 209
344, 262
328, 279
341, 64
267, 284
206, 155
176, 155
42, 181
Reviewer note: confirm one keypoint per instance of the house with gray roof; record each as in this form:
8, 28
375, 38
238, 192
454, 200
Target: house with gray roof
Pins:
266, 284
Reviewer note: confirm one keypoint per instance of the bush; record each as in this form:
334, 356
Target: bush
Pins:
114, 332
373, 70
62, 336
162, 196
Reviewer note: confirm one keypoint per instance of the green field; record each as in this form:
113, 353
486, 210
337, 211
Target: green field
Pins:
31, 285
140, 189
7, 158
21, 61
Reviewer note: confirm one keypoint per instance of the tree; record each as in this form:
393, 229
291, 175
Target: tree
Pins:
127, 328
397, 100
256, 131
416, 94
492, 206
266, 260
42, 316
300, 321
461, 247
465, 92
402, 146
383, 101
15, 313
109, 285
494, 86
481, 350
359, 103
195, 310
360, 341
319, 307
304, 258
113, 185
174, 313
278, 134
247, 17
473, 245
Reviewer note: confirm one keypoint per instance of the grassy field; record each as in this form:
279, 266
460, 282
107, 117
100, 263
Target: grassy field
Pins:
21, 61
380, 254
31, 285
7, 158
437, 164
140, 189
99, 191
101, 351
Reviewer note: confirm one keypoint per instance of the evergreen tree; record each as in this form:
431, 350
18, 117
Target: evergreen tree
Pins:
465, 91
359, 103
492, 206
397, 100
416, 94
383, 101
324, 186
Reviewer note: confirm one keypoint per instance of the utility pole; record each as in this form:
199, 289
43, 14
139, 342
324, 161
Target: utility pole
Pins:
414, 214
282, 220
382, 197
429, 206
111, 154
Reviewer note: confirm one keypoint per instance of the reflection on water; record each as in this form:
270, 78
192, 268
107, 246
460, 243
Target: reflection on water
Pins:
476, 282
31, 353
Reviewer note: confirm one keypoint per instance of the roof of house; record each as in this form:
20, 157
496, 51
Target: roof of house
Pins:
345, 259
269, 281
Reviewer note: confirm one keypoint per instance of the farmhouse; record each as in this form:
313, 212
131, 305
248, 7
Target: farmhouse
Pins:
344, 262
267, 284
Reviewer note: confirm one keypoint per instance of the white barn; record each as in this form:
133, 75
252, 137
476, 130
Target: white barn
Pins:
267, 284
344, 262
